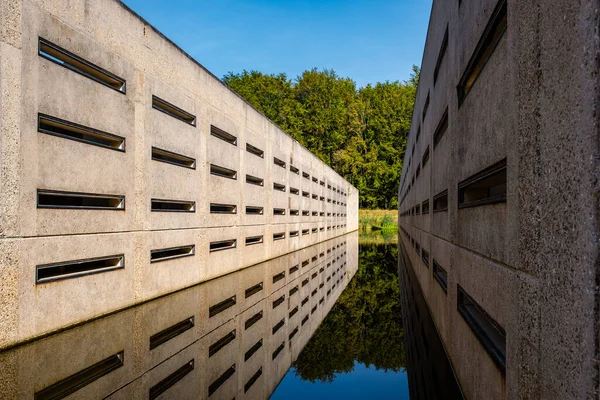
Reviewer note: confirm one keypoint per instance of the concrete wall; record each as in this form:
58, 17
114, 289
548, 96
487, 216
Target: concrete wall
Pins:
130, 331
530, 261
109, 35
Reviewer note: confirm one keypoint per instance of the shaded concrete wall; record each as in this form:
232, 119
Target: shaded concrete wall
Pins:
531, 261
109, 35
130, 332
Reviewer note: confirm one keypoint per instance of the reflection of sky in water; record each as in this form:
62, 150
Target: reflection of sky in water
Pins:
362, 383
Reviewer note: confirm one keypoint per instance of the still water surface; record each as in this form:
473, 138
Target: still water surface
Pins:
324, 322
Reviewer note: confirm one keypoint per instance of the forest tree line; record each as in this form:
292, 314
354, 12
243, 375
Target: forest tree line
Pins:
360, 132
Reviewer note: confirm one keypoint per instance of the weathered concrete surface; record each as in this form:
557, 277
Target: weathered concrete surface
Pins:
109, 35
531, 263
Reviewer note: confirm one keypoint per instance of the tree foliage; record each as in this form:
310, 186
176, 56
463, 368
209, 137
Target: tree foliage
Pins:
360, 132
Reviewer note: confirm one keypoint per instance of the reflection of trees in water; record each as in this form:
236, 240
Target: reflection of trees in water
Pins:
384, 236
365, 325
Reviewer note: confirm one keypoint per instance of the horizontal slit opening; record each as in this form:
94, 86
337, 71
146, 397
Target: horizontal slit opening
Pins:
294, 212
222, 306
65, 58
304, 301
173, 158
305, 263
425, 257
253, 180
173, 205
440, 275
73, 383
293, 233
312, 311
253, 350
167, 334
315, 180
441, 55
254, 240
313, 293
321, 300
255, 150
279, 211
278, 277
305, 194
305, 232
315, 230
315, 197
223, 245
489, 333
279, 301
278, 350
441, 129
253, 319
305, 175
252, 380
73, 269
171, 253
221, 380
82, 201
221, 134
223, 208
440, 202
252, 210
293, 333
254, 289
279, 236
294, 191
278, 326
170, 380
224, 172
485, 187
304, 320
294, 169
219, 344
294, 290
279, 187
80, 133
321, 183
293, 312
172, 110
305, 213
278, 162
293, 269
305, 282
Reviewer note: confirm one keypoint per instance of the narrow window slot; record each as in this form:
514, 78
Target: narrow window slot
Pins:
254, 289
294, 212
167, 334
172, 110
329, 291
305, 175
252, 210
172, 205
315, 213
485, 48
489, 333
278, 277
294, 191
305, 232
305, 263
440, 275
418, 171
313, 293
321, 183
255, 150
253, 350
278, 326
65, 58
253, 180
315, 180
224, 172
73, 269
293, 312
278, 301
305, 194
314, 275
221, 380
278, 162
222, 306
81, 201
279, 211
294, 290
279, 187
425, 257
322, 229
80, 133
305, 213
223, 245
171, 253
294, 170
304, 320
321, 300
223, 208
294, 233
440, 58
293, 333
173, 158
425, 157
485, 187
73, 383
304, 301
425, 108
425, 207
305, 282
254, 240
312, 311
315, 197
278, 350
315, 230
440, 202
221, 134
441, 129
322, 198
294, 269
219, 344
253, 319
170, 380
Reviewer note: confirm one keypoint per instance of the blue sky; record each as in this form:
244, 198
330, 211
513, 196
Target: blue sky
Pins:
366, 40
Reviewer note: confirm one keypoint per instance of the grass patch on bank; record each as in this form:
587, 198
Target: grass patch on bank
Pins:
373, 220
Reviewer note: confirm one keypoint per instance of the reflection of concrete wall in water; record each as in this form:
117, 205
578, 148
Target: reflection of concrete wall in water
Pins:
499, 194
119, 152
243, 350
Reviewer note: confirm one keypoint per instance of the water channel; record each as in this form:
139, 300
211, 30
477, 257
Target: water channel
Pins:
337, 320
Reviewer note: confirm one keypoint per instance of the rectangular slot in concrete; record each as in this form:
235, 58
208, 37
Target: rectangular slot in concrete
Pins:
252, 210
221, 306
81, 201
279, 187
223, 172
217, 383
73, 269
173, 111
441, 129
485, 187
278, 236
164, 385
278, 162
440, 58
171, 253
254, 180
253, 319
254, 289
167, 334
253, 350
425, 257
425, 157
219, 344
293, 290
294, 191
295, 267
65, 58
294, 233
278, 350
294, 170
278, 326
254, 240
279, 211
278, 277
305, 231
425, 108
425, 207
255, 150
440, 275
223, 245
80, 133
162, 205
489, 333
293, 333
440, 202
252, 380
294, 212
279, 301
221, 134
306, 175
173, 158
216, 208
